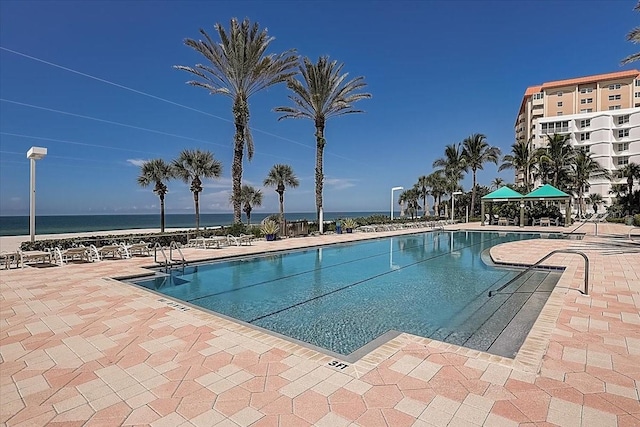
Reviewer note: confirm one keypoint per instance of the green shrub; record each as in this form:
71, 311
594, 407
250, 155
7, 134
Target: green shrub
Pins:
636, 220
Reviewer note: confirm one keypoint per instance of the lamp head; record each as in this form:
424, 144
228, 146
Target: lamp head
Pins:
36, 153
397, 188
455, 193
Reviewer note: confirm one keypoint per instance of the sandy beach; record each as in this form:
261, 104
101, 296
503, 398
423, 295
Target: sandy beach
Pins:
12, 243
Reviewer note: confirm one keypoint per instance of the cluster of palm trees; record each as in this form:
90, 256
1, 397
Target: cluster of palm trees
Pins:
238, 66
470, 155
559, 163
192, 166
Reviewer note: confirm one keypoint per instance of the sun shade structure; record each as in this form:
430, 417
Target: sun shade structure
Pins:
547, 192
502, 194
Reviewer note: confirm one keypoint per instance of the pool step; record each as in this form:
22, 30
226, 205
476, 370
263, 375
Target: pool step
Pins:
500, 324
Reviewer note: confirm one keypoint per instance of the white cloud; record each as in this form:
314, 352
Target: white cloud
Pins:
136, 162
340, 183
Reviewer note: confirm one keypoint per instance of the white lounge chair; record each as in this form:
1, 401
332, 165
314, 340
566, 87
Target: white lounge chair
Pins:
35, 256
242, 239
80, 253
108, 250
208, 242
141, 249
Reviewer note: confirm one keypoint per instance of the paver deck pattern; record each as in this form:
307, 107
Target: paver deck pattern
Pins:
79, 348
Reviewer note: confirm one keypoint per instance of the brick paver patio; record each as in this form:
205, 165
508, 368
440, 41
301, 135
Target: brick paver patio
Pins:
79, 348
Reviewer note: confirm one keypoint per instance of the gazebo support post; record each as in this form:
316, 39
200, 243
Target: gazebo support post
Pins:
567, 214
482, 213
522, 213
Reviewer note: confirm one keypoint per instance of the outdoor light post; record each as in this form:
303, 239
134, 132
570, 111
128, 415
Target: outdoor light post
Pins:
453, 201
392, 190
34, 153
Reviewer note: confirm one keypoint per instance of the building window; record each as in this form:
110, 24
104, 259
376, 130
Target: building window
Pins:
538, 95
615, 86
614, 107
586, 90
587, 110
560, 104
555, 127
623, 147
559, 113
586, 149
637, 95
586, 101
623, 119
559, 93
623, 161
585, 123
637, 83
623, 132
585, 136
614, 97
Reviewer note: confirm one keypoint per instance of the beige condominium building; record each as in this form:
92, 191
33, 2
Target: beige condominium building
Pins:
600, 113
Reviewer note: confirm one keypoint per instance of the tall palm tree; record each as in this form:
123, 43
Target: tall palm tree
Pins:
452, 165
633, 37
438, 189
497, 183
192, 166
423, 191
238, 67
250, 198
522, 159
631, 171
582, 170
594, 200
323, 93
476, 152
558, 155
281, 176
410, 198
159, 172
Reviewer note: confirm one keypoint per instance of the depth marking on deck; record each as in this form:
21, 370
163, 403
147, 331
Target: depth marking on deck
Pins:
174, 304
337, 364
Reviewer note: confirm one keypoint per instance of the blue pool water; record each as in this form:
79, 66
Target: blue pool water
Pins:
341, 297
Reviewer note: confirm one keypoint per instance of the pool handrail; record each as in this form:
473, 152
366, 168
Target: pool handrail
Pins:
175, 245
164, 255
566, 251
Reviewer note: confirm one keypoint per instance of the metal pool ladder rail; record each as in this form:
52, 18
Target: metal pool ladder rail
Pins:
175, 245
566, 251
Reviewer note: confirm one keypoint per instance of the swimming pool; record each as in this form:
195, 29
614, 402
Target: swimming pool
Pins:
342, 297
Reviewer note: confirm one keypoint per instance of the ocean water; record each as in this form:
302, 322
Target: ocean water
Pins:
55, 224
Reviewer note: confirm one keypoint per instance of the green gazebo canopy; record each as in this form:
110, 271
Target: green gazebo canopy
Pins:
547, 192
502, 194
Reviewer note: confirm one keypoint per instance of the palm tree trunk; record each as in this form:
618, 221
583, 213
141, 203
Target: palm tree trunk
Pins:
629, 192
424, 205
320, 143
196, 200
473, 195
281, 194
240, 119
162, 213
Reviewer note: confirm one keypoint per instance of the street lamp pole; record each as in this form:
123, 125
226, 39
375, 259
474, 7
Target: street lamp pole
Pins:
453, 201
34, 153
392, 190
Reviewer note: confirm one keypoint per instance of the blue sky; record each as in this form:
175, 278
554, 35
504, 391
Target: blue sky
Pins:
438, 72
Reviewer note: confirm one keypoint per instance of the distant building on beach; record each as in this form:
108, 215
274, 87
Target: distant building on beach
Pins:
600, 113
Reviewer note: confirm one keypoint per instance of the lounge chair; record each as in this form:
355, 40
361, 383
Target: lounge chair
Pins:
35, 256
81, 253
141, 249
208, 242
242, 239
535, 221
8, 258
503, 221
107, 250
